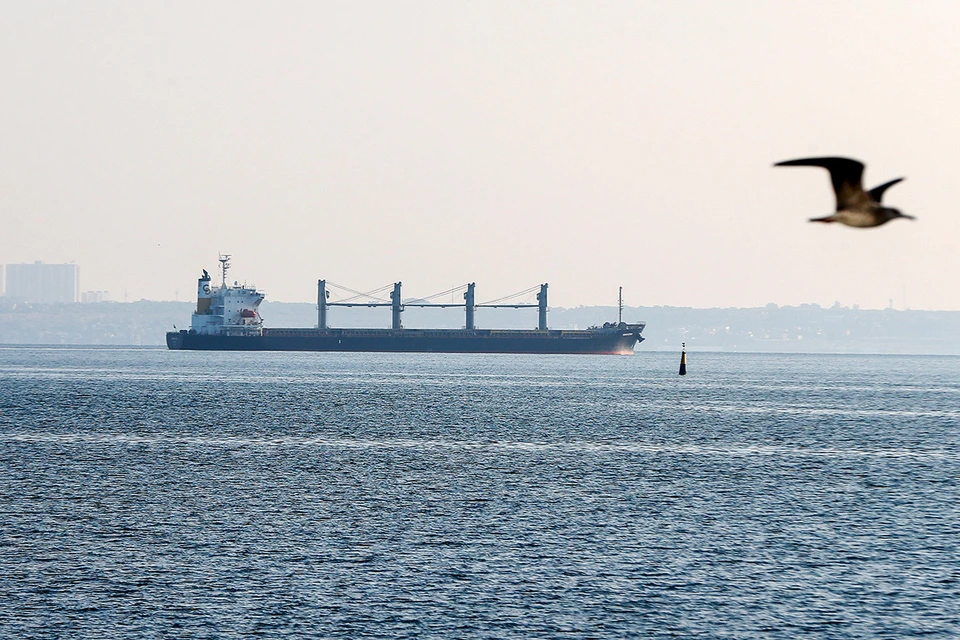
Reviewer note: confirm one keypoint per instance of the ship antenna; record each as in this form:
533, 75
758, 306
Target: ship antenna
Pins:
224, 266
620, 304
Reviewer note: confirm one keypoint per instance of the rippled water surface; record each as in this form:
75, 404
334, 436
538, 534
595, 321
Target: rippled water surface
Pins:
149, 493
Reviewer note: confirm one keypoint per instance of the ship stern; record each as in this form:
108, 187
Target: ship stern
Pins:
175, 339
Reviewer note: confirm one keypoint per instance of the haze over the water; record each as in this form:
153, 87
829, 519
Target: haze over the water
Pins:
507, 143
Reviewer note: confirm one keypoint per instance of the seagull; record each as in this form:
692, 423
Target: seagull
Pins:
855, 207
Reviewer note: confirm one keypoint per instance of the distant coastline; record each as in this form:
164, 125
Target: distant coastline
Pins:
802, 329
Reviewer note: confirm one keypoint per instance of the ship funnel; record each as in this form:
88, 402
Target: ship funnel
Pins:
204, 293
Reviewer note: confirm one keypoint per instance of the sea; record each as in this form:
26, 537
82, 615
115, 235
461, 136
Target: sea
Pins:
147, 493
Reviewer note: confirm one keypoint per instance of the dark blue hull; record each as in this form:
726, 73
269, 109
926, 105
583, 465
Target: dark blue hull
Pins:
607, 340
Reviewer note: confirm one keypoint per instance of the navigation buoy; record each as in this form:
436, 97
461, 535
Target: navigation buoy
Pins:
683, 359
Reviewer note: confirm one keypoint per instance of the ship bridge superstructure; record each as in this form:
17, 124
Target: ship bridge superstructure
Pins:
227, 310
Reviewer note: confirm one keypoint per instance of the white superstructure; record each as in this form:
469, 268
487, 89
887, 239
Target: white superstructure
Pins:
226, 310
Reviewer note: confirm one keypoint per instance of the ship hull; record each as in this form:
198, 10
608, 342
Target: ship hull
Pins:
587, 341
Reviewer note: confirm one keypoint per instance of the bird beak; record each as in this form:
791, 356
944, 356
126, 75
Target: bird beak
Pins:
903, 215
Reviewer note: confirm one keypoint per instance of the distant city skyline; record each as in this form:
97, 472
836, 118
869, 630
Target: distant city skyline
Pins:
503, 143
24, 285
40, 282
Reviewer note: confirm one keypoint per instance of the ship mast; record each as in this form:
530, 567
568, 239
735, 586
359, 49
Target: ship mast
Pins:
224, 266
620, 305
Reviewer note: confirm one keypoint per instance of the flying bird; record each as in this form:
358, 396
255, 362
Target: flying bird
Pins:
855, 207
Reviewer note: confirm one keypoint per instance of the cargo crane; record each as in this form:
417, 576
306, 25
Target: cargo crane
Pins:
397, 305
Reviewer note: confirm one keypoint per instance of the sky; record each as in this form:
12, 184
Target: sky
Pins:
507, 143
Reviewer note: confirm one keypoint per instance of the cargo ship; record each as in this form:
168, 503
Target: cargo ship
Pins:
228, 318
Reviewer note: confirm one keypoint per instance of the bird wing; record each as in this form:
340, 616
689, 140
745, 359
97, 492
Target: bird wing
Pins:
846, 174
877, 192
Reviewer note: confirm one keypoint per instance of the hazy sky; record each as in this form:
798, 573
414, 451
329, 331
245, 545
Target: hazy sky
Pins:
588, 145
